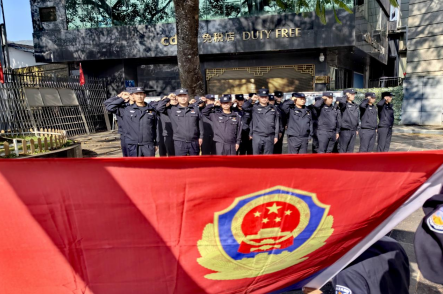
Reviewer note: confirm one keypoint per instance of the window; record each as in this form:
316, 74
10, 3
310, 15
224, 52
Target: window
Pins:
48, 14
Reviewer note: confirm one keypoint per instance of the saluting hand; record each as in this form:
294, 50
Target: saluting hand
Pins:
254, 98
173, 102
192, 101
217, 103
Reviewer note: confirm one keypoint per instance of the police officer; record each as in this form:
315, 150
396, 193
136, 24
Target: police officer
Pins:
329, 118
166, 143
382, 269
311, 108
368, 117
300, 125
277, 149
245, 144
128, 100
278, 96
208, 146
265, 123
349, 122
186, 123
428, 241
140, 124
386, 121
227, 126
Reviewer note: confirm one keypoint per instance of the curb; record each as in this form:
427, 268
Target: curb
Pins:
417, 131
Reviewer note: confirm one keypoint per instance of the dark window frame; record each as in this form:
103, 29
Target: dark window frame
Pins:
48, 14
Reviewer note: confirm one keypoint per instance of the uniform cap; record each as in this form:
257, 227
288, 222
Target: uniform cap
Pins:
350, 91
129, 89
226, 98
278, 94
384, 94
428, 241
137, 90
263, 92
210, 96
328, 94
239, 97
317, 98
252, 94
298, 95
181, 92
370, 94
271, 97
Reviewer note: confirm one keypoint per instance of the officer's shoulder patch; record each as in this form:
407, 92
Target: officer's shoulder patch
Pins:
259, 109
178, 111
220, 117
132, 111
435, 221
342, 290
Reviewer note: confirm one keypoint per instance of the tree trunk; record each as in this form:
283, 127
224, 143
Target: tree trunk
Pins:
186, 13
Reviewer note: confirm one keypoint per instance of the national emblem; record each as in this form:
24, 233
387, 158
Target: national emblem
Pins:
263, 233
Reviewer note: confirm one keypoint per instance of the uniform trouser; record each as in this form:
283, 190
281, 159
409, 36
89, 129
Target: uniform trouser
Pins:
297, 145
124, 147
146, 150
246, 144
314, 142
278, 147
367, 140
262, 145
162, 147
168, 144
346, 141
384, 139
326, 141
225, 149
184, 148
208, 146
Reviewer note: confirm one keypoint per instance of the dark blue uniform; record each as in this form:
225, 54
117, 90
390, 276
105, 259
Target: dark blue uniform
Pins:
120, 125
350, 117
278, 147
246, 143
368, 117
315, 125
208, 146
264, 126
382, 269
386, 122
329, 118
187, 127
164, 130
227, 129
300, 127
140, 127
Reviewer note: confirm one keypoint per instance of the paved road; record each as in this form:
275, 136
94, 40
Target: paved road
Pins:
107, 144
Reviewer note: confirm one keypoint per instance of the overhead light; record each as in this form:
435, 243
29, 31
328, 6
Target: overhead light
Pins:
322, 57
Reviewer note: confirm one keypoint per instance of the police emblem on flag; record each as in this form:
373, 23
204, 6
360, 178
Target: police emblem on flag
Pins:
263, 233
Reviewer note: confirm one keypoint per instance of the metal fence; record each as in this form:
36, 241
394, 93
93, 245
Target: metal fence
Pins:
89, 116
386, 82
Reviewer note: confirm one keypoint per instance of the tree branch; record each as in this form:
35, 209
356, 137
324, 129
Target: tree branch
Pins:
100, 4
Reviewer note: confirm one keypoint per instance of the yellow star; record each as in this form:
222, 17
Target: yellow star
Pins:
265, 220
273, 208
257, 214
277, 219
288, 212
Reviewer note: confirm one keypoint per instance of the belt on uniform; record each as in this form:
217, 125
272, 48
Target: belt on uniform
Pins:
368, 128
385, 127
347, 130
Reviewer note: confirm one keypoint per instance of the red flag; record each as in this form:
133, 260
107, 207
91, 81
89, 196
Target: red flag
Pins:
82, 76
2, 76
249, 224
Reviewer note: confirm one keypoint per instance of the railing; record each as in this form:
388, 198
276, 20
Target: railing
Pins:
386, 82
17, 144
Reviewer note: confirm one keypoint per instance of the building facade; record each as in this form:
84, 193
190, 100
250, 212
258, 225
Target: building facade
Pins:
423, 85
244, 45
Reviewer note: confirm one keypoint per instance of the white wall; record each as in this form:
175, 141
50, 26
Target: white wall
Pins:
21, 59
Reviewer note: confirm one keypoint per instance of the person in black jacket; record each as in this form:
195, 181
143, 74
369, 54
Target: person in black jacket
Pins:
311, 108
350, 117
186, 121
368, 117
226, 124
245, 144
265, 124
278, 148
166, 143
386, 121
208, 145
329, 118
300, 124
128, 100
278, 96
140, 124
